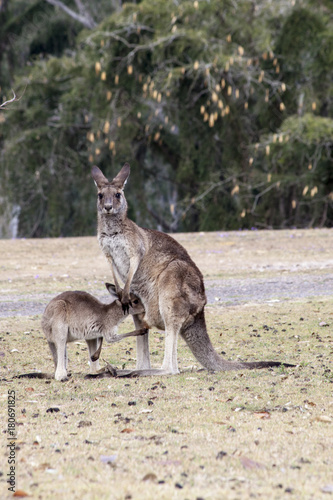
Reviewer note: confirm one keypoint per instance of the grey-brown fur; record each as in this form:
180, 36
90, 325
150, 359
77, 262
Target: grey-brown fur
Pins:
79, 316
160, 271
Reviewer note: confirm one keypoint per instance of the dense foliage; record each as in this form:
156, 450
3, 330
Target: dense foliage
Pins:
223, 109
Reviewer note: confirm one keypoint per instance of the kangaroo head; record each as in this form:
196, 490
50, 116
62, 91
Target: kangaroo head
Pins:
135, 308
110, 197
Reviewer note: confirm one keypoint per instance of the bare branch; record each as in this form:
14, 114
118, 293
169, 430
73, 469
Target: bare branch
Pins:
83, 17
10, 100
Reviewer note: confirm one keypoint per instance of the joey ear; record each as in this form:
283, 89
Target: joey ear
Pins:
98, 176
120, 180
112, 290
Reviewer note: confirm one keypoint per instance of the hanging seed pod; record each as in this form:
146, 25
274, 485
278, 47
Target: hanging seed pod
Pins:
314, 191
98, 68
157, 136
108, 95
293, 204
240, 50
97, 151
106, 128
314, 106
250, 161
103, 76
243, 213
102, 43
214, 97
166, 120
196, 65
112, 145
305, 190
237, 93
116, 79
220, 104
227, 110
129, 69
223, 83
310, 166
268, 149
211, 120
229, 92
205, 117
228, 38
138, 114
282, 106
283, 87
119, 122
235, 190
269, 177
202, 109
246, 105
196, 4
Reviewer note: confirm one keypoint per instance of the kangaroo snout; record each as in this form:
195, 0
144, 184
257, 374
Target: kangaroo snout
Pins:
107, 208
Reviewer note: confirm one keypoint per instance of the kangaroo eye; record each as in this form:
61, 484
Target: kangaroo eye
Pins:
118, 195
135, 301
100, 196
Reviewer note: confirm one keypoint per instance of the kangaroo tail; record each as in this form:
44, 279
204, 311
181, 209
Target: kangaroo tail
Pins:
197, 339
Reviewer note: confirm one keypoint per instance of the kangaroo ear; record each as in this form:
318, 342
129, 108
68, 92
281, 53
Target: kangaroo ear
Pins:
99, 179
112, 290
120, 180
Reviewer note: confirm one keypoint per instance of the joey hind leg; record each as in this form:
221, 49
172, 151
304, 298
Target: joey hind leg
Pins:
53, 350
61, 370
94, 347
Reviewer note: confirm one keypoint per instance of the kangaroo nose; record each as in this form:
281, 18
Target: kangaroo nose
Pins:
108, 207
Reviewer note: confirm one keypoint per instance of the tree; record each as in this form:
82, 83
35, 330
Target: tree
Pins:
195, 96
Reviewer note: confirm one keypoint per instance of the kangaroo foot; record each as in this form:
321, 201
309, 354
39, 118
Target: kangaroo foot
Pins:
142, 373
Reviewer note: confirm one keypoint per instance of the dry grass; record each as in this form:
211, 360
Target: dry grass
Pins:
252, 434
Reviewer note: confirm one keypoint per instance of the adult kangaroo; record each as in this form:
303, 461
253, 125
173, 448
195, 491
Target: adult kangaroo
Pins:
156, 268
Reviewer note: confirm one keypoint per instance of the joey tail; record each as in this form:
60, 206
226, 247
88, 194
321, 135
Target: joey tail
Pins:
197, 339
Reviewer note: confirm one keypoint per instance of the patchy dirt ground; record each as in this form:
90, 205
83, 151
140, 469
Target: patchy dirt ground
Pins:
256, 434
